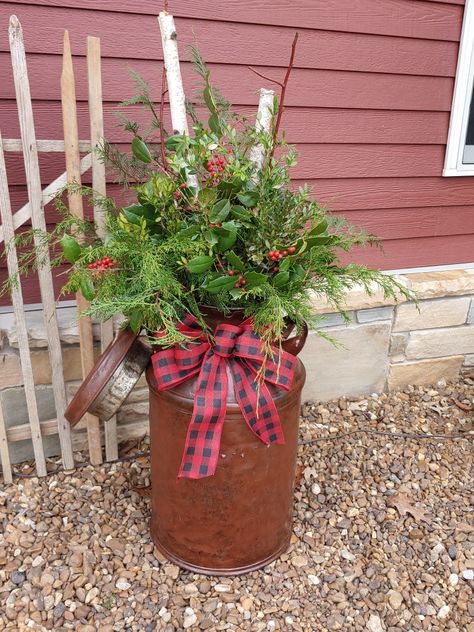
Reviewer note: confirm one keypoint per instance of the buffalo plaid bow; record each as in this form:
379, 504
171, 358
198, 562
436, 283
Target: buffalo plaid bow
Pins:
239, 348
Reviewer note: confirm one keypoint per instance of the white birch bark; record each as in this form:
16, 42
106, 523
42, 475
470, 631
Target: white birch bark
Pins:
169, 39
262, 123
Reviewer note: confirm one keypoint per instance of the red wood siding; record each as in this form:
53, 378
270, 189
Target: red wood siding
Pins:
368, 102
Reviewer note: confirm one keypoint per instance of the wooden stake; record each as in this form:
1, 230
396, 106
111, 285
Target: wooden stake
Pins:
96, 116
262, 123
71, 144
22, 332
4, 452
35, 196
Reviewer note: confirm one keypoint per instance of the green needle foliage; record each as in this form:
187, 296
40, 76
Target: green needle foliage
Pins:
246, 239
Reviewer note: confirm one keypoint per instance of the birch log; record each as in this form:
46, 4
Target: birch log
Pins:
96, 117
262, 123
71, 144
169, 40
35, 198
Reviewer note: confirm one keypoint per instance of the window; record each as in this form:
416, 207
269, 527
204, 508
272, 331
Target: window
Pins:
459, 160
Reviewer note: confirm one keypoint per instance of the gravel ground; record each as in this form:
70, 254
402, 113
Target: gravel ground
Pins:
383, 537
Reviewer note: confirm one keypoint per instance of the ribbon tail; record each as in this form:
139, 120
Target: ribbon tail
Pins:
203, 440
256, 404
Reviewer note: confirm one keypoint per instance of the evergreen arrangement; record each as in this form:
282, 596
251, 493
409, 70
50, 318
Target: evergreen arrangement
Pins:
209, 226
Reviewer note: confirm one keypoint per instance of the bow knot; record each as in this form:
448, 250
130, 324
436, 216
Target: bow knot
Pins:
240, 349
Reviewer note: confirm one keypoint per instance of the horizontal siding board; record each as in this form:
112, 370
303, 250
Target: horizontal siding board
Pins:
307, 88
405, 18
302, 125
227, 42
320, 161
373, 193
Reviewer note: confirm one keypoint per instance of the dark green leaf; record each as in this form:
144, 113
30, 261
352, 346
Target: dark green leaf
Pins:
71, 248
140, 150
235, 292
200, 264
254, 279
187, 232
214, 125
281, 278
211, 237
219, 211
234, 261
172, 142
135, 319
87, 288
131, 217
209, 100
249, 198
284, 264
220, 284
319, 228
226, 241
207, 196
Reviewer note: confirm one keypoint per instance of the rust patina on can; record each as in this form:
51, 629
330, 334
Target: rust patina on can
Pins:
240, 519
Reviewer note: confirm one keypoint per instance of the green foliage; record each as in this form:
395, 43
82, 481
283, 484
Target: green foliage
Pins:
244, 239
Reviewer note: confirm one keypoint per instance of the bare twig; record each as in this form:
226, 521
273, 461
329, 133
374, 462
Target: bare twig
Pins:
279, 83
283, 92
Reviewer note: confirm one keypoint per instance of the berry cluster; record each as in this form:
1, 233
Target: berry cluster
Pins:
240, 282
216, 166
102, 264
276, 255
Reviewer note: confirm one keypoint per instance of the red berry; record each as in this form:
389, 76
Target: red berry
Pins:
285, 253
184, 185
236, 284
270, 253
276, 269
280, 256
177, 195
230, 272
243, 282
291, 249
241, 278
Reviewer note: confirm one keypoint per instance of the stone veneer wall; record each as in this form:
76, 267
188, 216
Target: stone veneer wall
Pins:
384, 347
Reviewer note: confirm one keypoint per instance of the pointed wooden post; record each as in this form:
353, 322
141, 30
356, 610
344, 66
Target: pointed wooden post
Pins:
96, 116
35, 196
73, 159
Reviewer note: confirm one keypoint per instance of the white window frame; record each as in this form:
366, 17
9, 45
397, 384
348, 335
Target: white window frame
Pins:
453, 165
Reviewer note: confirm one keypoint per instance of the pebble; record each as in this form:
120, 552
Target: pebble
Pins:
354, 563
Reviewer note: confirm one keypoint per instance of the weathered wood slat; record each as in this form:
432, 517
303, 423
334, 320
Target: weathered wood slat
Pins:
302, 125
17, 299
14, 144
94, 77
48, 194
35, 195
4, 451
405, 18
249, 43
307, 88
71, 142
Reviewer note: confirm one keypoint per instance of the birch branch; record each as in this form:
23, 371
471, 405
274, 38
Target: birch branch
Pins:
169, 40
262, 124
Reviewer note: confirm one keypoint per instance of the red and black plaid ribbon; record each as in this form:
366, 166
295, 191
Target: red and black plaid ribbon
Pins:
240, 349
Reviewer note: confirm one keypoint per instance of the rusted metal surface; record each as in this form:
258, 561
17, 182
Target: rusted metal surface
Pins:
112, 378
240, 519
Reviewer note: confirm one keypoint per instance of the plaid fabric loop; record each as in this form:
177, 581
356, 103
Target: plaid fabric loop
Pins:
240, 349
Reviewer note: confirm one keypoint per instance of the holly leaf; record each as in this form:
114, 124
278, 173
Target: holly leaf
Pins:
207, 196
227, 235
404, 505
254, 279
200, 264
140, 150
220, 284
281, 279
87, 288
71, 248
219, 211
234, 261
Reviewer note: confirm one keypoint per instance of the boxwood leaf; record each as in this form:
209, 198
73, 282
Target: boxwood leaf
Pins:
200, 264
71, 248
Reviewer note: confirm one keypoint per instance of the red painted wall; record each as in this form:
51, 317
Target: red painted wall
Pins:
368, 102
